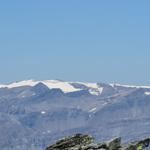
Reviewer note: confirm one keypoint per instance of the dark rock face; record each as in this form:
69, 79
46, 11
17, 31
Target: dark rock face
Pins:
86, 142
72, 142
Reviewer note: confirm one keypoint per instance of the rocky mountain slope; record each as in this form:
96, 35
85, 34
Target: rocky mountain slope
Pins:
86, 142
34, 114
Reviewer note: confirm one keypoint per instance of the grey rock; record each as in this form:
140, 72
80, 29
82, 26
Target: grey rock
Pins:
86, 142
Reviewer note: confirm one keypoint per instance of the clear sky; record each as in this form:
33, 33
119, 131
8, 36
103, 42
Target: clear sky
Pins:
75, 40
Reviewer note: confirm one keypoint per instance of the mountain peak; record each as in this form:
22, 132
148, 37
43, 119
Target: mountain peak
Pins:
67, 87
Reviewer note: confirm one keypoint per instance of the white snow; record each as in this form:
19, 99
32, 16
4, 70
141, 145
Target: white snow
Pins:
129, 86
90, 85
95, 89
147, 93
64, 86
43, 112
21, 83
93, 110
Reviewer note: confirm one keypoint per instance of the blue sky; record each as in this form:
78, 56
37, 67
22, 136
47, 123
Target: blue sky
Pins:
80, 40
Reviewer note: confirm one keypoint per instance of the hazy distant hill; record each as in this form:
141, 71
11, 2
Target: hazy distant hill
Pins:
34, 114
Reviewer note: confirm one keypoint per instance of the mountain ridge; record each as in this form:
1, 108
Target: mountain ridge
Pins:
42, 115
66, 87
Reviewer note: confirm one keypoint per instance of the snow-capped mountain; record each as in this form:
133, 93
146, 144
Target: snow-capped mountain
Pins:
34, 114
66, 87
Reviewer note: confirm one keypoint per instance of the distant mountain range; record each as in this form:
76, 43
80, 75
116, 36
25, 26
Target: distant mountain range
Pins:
34, 114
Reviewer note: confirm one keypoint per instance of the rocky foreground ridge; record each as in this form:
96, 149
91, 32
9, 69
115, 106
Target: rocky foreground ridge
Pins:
86, 142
